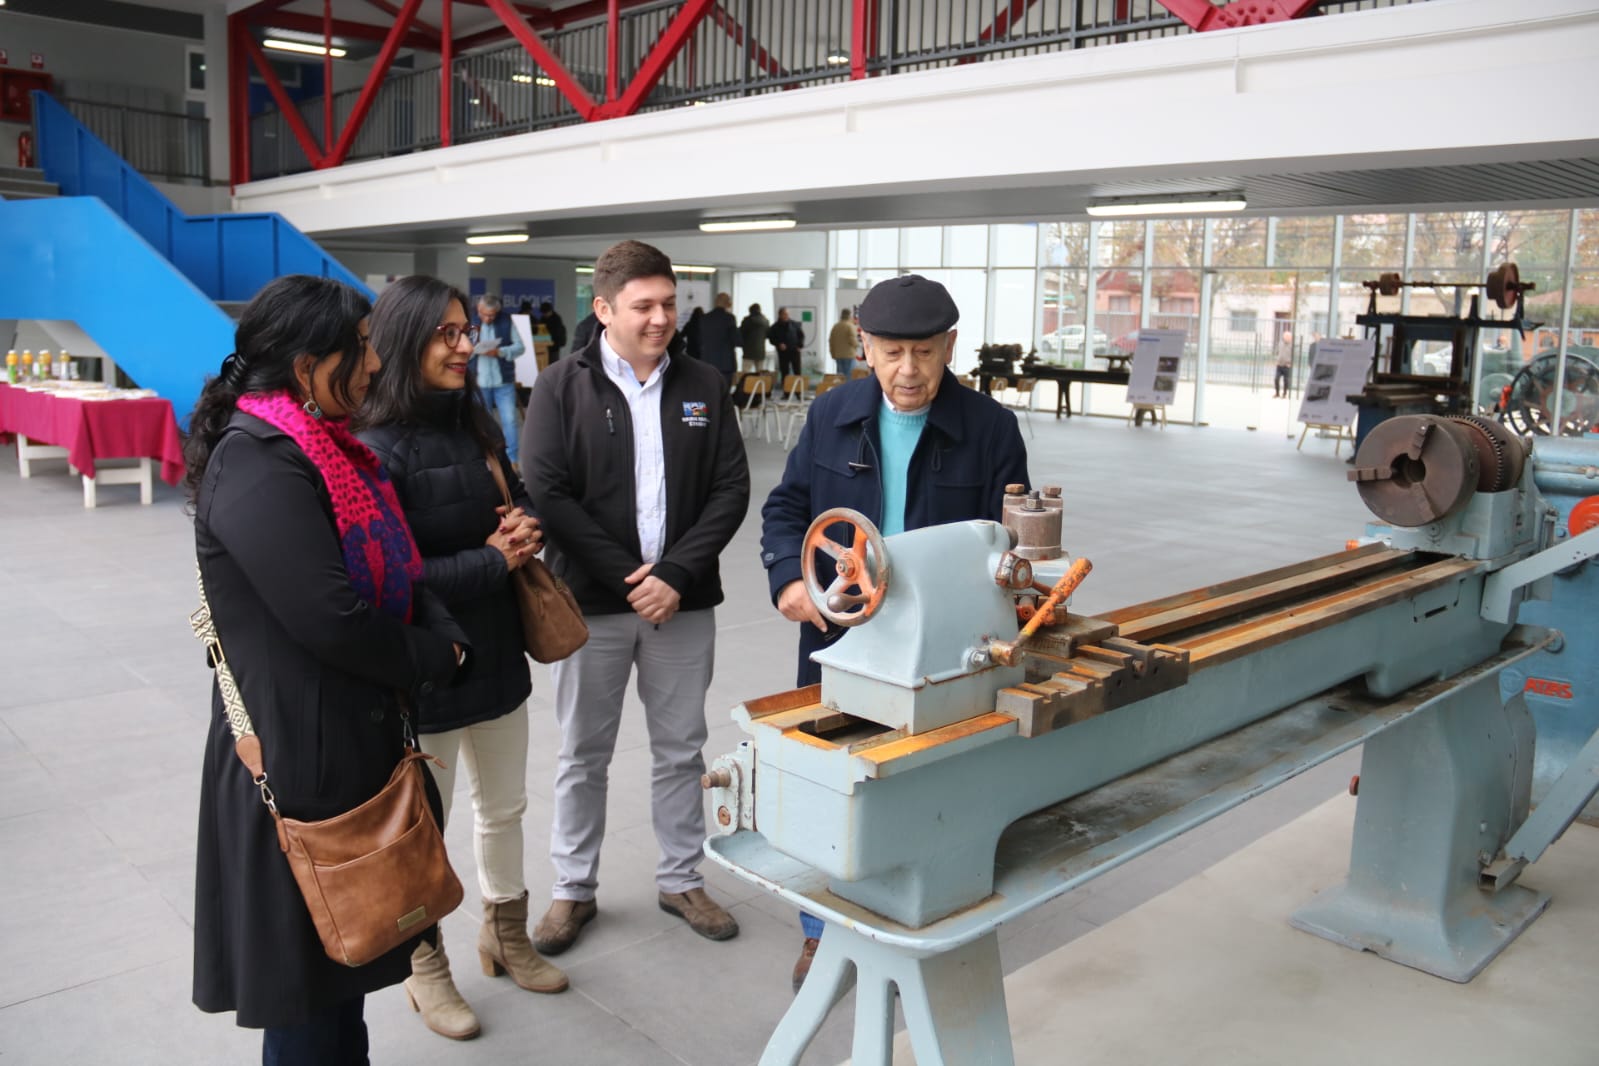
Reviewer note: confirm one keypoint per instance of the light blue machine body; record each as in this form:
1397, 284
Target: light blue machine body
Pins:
908, 802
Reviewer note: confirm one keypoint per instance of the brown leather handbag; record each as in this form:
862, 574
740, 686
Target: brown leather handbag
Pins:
552, 622
373, 877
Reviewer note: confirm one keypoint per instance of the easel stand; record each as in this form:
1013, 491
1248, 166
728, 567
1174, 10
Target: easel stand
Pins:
1340, 434
1156, 411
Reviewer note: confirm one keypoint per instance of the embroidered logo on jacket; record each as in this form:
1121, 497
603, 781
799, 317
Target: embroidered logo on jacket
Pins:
696, 413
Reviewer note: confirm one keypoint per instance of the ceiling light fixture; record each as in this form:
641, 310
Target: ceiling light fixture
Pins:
746, 225
835, 58
1200, 203
585, 270
497, 238
474, 259
693, 269
525, 79
302, 48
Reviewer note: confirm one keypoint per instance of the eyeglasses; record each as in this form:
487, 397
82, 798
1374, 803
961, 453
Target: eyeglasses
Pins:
452, 333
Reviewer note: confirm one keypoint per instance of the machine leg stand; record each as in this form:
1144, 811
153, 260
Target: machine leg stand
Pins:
1439, 796
954, 1003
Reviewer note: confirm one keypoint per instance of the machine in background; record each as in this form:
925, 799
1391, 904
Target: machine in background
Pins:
975, 748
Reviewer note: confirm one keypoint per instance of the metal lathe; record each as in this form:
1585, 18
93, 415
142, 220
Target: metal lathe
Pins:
975, 748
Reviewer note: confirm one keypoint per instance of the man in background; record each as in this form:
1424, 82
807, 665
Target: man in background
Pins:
841, 344
789, 339
554, 327
719, 338
494, 368
753, 331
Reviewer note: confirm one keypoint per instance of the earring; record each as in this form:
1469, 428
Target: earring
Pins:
312, 408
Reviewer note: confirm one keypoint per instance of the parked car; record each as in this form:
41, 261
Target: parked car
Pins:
1070, 339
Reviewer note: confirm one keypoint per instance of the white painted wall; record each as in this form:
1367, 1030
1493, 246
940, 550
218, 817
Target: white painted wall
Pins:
1315, 94
99, 62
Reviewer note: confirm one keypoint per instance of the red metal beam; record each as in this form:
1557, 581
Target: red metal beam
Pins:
1203, 15
677, 34
421, 27
327, 75
545, 20
360, 31
374, 82
762, 57
613, 62
581, 101
1003, 21
291, 114
446, 76
238, 106
483, 98
857, 41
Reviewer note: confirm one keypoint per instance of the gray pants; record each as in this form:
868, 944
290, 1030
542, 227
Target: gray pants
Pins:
674, 663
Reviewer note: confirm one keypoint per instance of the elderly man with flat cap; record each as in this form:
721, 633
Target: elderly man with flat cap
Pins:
908, 447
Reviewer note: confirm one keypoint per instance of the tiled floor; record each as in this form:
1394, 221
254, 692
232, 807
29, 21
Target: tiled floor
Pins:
103, 706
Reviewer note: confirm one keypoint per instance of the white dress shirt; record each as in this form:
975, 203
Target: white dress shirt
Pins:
649, 456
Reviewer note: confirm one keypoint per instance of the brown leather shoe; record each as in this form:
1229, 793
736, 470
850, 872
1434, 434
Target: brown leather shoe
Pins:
807, 956
703, 914
561, 924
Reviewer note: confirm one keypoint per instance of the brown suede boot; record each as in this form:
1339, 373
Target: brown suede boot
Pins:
702, 913
561, 924
431, 992
503, 947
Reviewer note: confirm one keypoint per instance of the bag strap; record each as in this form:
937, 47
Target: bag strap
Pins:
499, 477
245, 743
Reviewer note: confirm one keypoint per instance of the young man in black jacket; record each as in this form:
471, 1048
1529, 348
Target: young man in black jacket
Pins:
636, 467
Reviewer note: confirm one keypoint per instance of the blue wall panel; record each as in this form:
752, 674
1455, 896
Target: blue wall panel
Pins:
95, 271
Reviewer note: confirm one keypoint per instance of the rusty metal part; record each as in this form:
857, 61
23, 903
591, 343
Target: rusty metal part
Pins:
1006, 652
860, 565
716, 779
1389, 284
1505, 285
1501, 455
1417, 469
1100, 678
1035, 520
1014, 572
1058, 640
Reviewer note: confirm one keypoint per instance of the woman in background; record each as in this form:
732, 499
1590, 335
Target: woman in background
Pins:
311, 575
434, 435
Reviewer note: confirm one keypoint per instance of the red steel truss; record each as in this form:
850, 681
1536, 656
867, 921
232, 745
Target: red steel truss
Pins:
526, 24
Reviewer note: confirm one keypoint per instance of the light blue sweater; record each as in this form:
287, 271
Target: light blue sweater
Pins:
899, 433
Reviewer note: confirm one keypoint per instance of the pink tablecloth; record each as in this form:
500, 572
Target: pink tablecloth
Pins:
96, 429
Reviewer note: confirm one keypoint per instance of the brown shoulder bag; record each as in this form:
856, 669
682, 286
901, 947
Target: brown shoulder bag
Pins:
552, 622
373, 877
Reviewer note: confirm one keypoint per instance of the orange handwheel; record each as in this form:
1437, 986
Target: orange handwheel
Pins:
861, 565
1584, 516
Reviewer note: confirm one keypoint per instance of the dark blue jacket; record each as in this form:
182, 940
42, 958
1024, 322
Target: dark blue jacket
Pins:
969, 451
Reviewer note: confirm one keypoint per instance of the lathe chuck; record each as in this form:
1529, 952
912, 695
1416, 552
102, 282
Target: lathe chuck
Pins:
1418, 469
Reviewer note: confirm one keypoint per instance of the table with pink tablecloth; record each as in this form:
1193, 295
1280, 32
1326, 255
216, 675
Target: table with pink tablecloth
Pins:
91, 430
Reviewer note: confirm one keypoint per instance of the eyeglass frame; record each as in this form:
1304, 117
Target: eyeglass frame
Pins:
473, 333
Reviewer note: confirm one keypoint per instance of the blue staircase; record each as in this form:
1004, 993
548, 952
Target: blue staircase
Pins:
138, 275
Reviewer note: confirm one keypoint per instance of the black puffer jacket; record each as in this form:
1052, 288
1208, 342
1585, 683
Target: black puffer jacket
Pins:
449, 497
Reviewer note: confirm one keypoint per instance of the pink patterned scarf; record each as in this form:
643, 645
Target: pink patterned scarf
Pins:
379, 551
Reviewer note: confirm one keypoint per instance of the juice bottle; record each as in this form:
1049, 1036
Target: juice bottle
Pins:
11, 366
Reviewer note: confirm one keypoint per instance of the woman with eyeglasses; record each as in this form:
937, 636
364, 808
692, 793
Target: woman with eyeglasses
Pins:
313, 581
428, 424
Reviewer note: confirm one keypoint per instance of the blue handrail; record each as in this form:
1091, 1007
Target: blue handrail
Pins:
72, 258
228, 257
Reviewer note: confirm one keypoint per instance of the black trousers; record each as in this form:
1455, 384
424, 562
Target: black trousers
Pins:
787, 363
333, 1037
1279, 384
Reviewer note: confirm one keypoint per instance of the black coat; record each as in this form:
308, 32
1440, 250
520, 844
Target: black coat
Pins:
587, 327
789, 332
449, 496
318, 668
719, 340
752, 336
968, 452
577, 456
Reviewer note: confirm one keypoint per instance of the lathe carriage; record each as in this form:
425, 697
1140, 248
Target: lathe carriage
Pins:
975, 748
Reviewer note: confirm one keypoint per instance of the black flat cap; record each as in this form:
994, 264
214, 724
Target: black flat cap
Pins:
908, 308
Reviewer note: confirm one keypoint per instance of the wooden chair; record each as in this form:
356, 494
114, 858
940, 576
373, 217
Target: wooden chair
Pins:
859, 372
1017, 397
756, 392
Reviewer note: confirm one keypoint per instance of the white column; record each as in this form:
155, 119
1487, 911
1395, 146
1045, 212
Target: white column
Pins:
216, 89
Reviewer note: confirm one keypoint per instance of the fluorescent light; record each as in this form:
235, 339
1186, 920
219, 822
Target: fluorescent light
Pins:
836, 58
745, 225
693, 269
497, 238
302, 48
1181, 204
474, 259
585, 270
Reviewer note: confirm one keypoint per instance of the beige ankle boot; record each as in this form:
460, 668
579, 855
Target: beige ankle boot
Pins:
503, 947
431, 992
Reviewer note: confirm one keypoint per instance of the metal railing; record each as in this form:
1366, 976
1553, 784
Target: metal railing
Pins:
741, 48
168, 145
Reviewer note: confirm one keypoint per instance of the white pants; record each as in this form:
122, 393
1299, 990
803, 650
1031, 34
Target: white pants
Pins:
495, 756
674, 661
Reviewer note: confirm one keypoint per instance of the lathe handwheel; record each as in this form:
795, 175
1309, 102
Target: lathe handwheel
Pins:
861, 565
